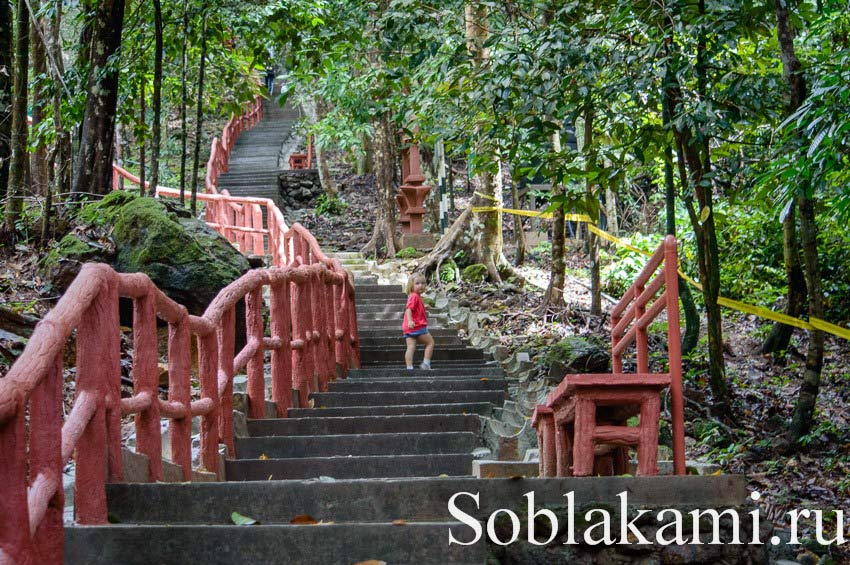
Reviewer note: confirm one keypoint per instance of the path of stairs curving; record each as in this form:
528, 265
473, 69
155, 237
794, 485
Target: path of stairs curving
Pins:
375, 460
255, 164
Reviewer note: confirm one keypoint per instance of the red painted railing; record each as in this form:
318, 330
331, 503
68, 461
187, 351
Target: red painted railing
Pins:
313, 335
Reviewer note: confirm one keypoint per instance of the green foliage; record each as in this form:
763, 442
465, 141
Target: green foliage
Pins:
449, 272
408, 253
330, 206
624, 265
475, 273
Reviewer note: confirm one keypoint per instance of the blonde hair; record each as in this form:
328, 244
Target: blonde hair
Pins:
412, 281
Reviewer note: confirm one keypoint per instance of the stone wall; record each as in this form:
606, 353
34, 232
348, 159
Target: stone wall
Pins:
299, 188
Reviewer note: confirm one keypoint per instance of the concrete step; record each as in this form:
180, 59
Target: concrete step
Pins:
478, 370
284, 447
330, 544
417, 384
350, 467
364, 425
481, 408
331, 399
414, 500
398, 341
376, 354
395, 333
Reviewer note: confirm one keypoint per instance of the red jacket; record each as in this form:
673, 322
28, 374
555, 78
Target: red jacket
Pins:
417, 307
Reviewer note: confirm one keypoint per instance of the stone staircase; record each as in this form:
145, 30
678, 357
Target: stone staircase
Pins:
255, 162
374, 460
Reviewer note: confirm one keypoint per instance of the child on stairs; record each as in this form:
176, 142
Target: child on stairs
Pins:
415, 324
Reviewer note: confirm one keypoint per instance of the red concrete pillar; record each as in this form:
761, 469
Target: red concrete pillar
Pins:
46, 461
146, 380
110, 359
256, 370
674, 355
93, 372
647, 451
179, 367
208, 377
226, 346
585, 424
15, 527
281, 362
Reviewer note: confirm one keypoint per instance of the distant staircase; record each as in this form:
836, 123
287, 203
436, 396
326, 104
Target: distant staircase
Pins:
255, 162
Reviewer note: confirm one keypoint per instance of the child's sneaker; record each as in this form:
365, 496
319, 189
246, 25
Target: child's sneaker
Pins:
410, 368
426, 365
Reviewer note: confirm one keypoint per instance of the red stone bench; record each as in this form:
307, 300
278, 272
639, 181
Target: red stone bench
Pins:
582, 428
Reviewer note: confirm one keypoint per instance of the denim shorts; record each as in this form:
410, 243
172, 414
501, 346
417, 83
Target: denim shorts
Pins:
417, 333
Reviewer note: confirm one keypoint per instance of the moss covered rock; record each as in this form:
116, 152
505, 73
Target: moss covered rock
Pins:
576, 355
474, 273
189, 261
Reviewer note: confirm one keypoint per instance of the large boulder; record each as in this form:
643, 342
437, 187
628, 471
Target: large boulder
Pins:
577, 355
185, 258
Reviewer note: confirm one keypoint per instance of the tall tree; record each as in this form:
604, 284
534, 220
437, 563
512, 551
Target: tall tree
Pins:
199, 116
796, 81
18, 167
93, 170
7, 37
184, 100
157, 96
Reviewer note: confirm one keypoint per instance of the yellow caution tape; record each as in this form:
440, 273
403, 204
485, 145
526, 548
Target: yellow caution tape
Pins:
812, 324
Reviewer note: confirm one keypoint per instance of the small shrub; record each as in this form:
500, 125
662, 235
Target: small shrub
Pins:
330, 205
449, 272
407, 253
475, 273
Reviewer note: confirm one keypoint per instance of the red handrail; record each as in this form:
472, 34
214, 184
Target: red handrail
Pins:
313, 335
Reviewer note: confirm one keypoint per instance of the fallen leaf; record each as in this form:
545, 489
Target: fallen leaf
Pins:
241, 520
399, 522
304, 520
371, 562
263, 457
484, 379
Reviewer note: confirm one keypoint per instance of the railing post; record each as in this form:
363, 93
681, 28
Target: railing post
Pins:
674, 353
339, 333
300, 314
258, 225
14, 527
353, 337
281, 358
94, 335
146, 380
256, 376
179, 359
208, 376
226, 346
46, 459
112, 384
641, 341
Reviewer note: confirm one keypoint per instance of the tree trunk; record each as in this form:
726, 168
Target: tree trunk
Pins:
93, 171
7, 37
519, 233
157, 97
142, 136
690, 337
63, 150
18, 167
558, 272
692, 171
199, 116
40, 102
384, 242
365, 157
801, 421
328, 185
792, 70
184, 103
592, 205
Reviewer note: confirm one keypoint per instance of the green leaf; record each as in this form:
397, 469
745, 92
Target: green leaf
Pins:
704, 214
241, 520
